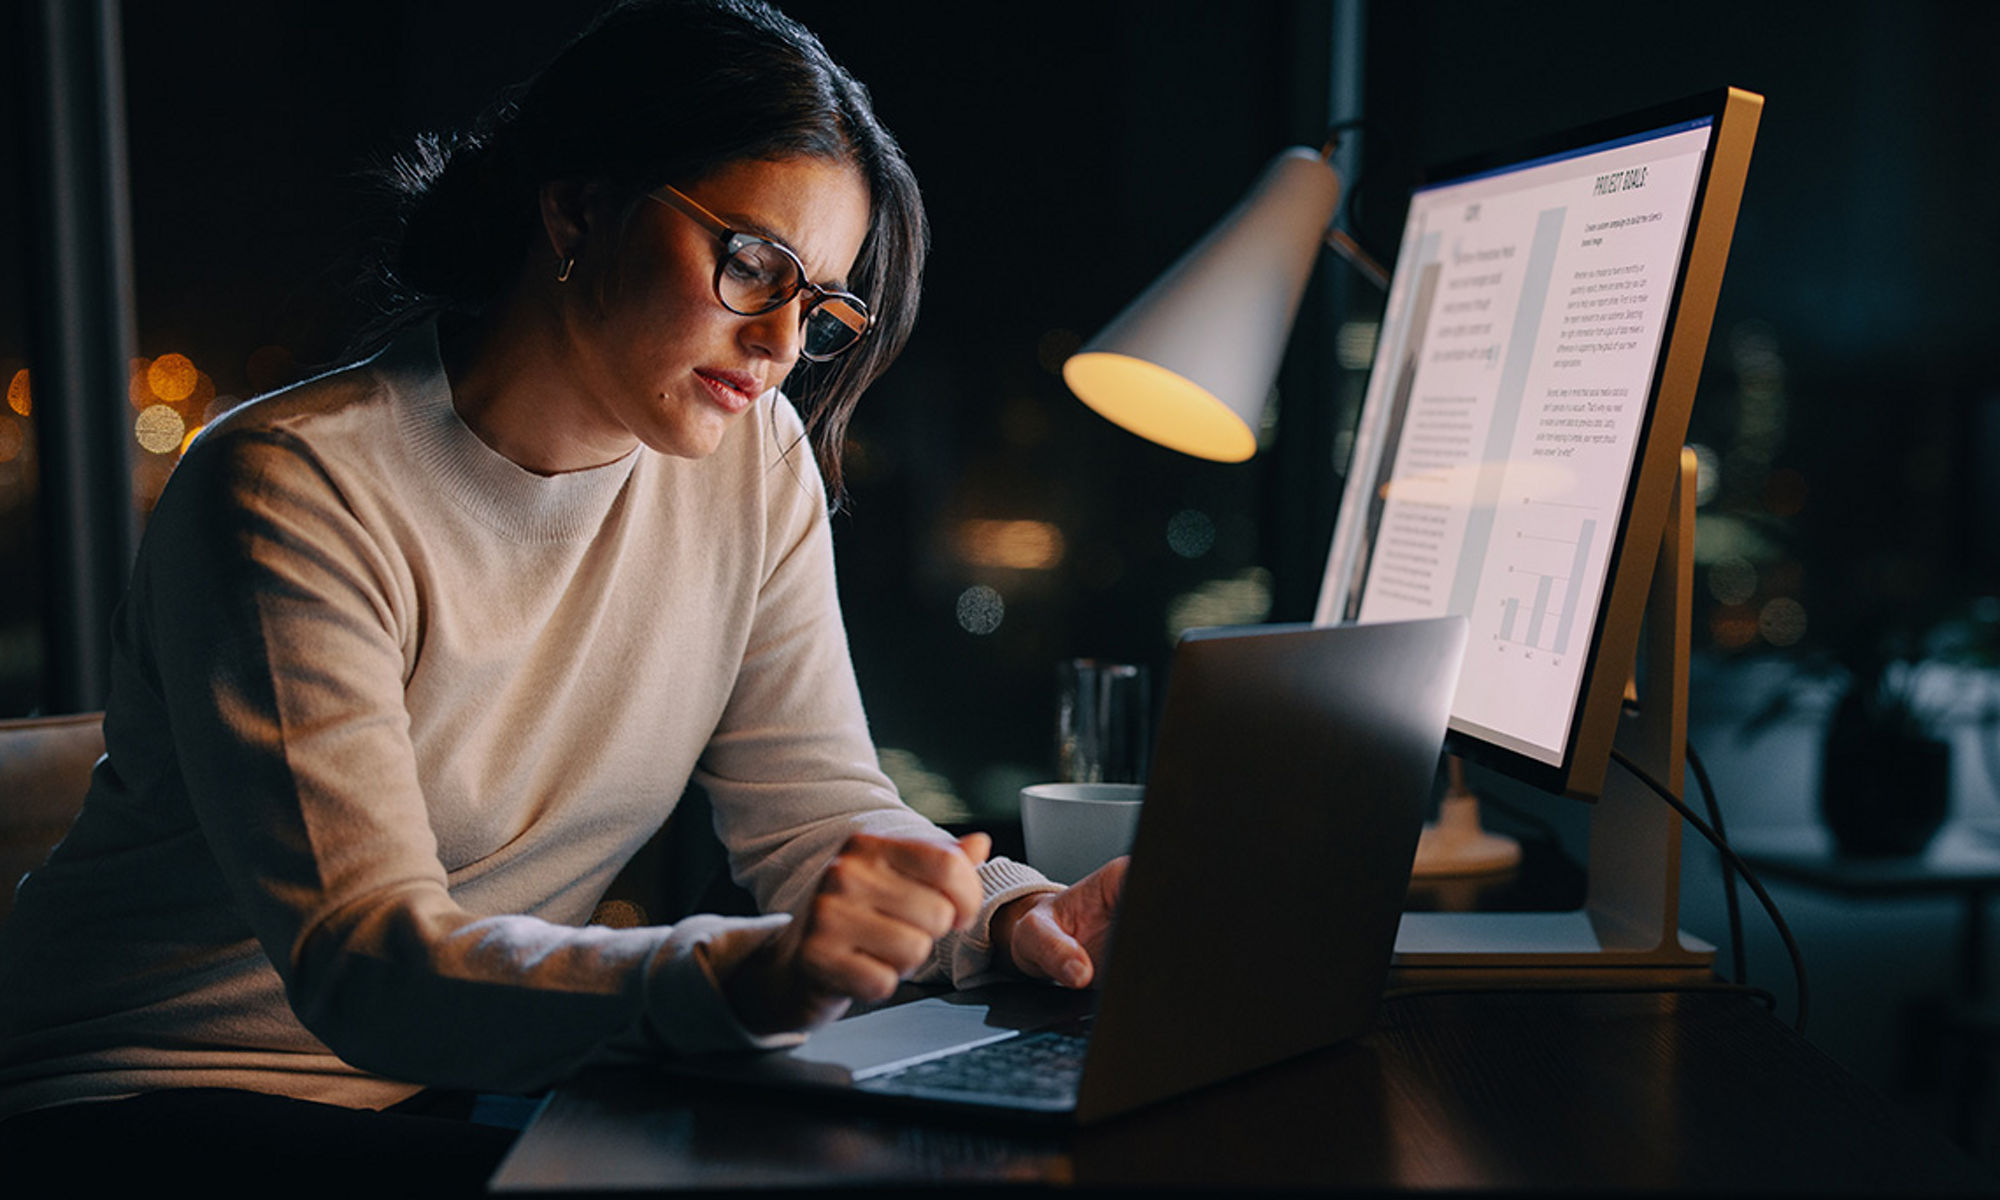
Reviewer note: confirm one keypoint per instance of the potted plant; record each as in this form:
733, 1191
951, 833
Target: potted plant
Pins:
1899, 684
1885, 771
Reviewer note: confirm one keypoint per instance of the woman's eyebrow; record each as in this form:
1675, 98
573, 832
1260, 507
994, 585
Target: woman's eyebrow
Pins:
756, 228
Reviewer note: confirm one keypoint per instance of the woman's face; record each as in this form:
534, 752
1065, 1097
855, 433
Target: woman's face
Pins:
657, 358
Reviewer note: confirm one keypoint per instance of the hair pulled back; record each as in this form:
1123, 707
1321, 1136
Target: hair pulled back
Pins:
663, 91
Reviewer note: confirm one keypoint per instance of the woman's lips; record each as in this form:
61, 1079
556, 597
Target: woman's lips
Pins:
733, 391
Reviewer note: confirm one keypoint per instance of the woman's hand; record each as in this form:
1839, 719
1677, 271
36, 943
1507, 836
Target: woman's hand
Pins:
1061, 935
881, 905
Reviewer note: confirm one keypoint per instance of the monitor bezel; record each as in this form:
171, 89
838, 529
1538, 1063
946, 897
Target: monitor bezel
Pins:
1615, 633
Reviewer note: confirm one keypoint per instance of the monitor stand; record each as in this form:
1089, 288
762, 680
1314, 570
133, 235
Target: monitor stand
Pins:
1631, 913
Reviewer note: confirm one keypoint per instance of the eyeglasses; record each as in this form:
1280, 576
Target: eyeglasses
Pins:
757, 275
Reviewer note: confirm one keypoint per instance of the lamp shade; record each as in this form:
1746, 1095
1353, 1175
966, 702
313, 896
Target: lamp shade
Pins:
1190, 363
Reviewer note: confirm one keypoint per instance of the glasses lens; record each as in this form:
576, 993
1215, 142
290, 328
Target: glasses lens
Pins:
757, 277
834, 324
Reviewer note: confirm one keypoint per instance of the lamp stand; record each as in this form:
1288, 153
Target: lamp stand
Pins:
1455, 845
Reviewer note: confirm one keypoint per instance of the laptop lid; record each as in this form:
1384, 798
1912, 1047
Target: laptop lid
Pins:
1293, 769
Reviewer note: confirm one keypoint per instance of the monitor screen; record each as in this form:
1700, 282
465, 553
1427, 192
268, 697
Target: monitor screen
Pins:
1517, 390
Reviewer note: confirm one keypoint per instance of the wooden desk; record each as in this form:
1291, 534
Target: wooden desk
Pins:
1515, 1090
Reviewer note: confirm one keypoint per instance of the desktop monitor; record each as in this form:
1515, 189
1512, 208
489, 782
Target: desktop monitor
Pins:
1520, 438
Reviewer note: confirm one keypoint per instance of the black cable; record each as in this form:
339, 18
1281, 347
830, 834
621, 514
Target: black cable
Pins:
1742, 868
1736, 953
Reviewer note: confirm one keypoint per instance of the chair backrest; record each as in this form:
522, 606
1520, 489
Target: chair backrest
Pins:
45, 767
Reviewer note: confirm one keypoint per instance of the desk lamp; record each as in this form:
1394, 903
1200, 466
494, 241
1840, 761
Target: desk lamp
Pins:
1191, 362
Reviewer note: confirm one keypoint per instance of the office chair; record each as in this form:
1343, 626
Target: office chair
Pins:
45, 767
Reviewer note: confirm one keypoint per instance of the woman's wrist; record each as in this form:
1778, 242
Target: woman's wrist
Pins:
1000, 934
766, 993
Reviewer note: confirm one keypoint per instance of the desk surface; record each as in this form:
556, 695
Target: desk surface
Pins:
1519, 1090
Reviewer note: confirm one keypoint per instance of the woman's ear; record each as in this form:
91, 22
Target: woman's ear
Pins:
566, 216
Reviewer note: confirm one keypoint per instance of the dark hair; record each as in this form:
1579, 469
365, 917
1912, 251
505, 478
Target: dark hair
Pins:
658, 91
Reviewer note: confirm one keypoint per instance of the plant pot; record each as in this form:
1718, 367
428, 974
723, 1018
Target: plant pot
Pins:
1883, 793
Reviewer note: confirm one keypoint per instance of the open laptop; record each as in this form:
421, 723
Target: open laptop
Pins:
1293, 770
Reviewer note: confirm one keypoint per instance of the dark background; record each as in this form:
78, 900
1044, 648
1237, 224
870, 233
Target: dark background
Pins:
1069, 151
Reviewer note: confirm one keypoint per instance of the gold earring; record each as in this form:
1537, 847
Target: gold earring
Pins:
562, 270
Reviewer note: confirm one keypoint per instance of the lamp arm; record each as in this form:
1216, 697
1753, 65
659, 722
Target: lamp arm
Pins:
1343, 244
1339, 240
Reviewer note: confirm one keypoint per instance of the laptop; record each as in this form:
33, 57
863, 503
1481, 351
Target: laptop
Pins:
1293, 769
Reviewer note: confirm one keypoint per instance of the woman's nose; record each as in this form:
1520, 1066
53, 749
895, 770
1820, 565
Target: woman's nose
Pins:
779, 334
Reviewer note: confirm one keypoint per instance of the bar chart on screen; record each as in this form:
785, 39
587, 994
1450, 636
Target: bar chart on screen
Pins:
1546, 569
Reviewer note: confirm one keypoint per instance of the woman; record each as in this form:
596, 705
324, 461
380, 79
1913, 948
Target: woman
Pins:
417, 654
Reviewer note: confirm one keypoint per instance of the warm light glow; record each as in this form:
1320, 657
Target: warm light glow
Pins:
139, 387
11, 440
159, 429
1012, 545
1733, 627
202, 396
172, 377
18, 398
1244, 599
192, 433
1160, 406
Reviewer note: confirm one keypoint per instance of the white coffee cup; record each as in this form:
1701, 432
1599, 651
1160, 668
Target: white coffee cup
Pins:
1071, 829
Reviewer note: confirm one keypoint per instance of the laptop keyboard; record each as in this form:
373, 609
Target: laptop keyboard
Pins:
1035, 1066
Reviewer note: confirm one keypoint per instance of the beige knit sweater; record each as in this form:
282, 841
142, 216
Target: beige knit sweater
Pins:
388, 713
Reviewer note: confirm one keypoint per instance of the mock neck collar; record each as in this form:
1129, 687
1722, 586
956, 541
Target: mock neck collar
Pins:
500, 493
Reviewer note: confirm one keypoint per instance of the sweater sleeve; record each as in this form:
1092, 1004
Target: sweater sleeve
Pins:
791, 768
271, 620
